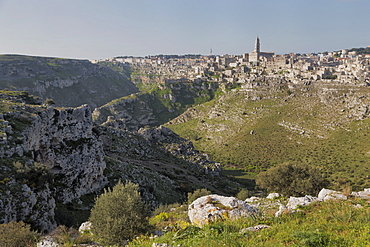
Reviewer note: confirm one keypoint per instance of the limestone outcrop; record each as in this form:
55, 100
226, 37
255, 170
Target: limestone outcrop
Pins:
164, 165
85, 226
294, 202
47, 155
181, 148
326, 194
63, 140
365, 194
211, 208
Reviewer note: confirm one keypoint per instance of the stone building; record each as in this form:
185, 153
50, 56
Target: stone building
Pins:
257, 55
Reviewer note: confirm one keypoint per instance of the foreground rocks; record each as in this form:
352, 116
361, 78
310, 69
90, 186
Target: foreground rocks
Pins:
326, 194
292, 204
211, 208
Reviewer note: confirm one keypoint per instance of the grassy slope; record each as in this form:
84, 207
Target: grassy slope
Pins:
333, 223
317, 125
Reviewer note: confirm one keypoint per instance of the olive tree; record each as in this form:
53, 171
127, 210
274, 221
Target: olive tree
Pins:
15, 234
292, 179
119, 214
197, 193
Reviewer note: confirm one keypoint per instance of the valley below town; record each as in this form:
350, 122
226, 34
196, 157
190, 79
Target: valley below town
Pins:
273, 147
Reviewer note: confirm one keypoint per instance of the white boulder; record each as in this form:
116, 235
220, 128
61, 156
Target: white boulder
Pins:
85, 226
273, 195
294, 202
214, 207
365, 194
47, 242
252, 199
282, 209
326, 194
254, 228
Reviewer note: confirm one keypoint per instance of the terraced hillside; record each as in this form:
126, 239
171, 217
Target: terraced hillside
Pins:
69, 82
248, 130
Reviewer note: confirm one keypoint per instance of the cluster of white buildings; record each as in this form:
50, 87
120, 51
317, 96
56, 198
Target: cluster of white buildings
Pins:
342, 66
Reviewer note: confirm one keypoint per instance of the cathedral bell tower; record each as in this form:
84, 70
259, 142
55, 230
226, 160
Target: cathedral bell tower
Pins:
257, 47
255, 55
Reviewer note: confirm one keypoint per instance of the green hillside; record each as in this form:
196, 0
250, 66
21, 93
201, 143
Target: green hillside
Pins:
323, 125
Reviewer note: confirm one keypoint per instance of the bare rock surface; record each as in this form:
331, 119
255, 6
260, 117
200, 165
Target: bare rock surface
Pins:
214, 207
273, 195
294, 202
365, 194
85, 226
326, 194
47, 241
254, 228
62, 160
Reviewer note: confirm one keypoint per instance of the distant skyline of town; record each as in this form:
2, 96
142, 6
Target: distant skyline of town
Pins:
95, 29
253, 55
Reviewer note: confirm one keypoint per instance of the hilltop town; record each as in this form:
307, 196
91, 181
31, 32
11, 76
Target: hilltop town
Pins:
342, 66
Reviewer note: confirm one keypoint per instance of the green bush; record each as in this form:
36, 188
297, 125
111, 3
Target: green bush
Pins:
196, 194
165, 208
311, 239
243, 194
69, 237
292, 179
16, 234
49, 102
119, 214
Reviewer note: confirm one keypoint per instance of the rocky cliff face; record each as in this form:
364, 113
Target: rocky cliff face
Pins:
63, 140
165, 165
156, 107
47, 155
68, 82
54, 161
182, 149
128, 113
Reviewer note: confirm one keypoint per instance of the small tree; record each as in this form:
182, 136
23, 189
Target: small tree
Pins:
292, 179
243, 194
15, 234
49, 102
119, 214
196, 194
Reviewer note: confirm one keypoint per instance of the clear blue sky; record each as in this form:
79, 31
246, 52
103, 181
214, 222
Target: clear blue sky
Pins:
95, 29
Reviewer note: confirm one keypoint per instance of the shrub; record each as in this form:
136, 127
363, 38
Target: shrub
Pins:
243, 194
311, 239
69, 236
292, 180
196, 194
165, 208
15, 234
49, 102
119, 214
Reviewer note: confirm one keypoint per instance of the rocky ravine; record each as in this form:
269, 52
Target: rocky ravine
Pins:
53, 160
155, 107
